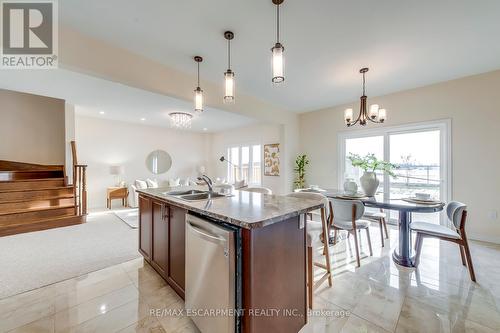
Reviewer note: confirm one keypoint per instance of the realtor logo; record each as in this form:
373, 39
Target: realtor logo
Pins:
29, 34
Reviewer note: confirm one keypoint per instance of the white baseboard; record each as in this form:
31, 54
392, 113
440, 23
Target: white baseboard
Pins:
483, 238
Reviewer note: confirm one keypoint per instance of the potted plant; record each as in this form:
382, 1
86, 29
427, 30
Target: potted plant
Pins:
369, 164
300, 168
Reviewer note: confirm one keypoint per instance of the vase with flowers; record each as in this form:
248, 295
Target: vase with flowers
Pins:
370, 164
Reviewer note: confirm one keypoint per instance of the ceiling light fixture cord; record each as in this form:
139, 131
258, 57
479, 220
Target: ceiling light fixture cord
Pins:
364, 82
278, 23
229, 54
198, 74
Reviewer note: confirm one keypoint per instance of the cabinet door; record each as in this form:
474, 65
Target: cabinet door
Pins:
145, 227
177, 243
160, 237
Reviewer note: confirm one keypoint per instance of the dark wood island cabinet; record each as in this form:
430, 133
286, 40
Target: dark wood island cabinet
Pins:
162, 240
272, 259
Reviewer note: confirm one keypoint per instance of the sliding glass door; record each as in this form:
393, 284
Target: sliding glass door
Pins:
420, 152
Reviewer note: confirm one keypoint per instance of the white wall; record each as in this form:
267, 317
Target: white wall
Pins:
102, 143
256, 134
31, 128
69, 121
469, 103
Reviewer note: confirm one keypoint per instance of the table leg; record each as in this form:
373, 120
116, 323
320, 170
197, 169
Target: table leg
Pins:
402, 256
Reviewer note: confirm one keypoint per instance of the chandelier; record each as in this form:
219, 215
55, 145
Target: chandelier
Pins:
181, 120
278, 62
229, 74
198, 93
375, 115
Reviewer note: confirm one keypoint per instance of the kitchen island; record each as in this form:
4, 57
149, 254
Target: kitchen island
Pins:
270, 238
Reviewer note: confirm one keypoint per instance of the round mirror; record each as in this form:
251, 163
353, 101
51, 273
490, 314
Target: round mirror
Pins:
158, 162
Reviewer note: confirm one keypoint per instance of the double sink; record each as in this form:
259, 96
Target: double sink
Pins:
196, 195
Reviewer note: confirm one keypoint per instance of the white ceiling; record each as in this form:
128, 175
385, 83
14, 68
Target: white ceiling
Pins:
405, 43
118, 102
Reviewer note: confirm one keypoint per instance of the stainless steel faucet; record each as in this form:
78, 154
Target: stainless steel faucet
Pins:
207, 180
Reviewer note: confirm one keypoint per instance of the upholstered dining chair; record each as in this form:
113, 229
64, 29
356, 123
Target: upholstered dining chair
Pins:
457, 215
347, 216
262, 190
379, 217
314, 230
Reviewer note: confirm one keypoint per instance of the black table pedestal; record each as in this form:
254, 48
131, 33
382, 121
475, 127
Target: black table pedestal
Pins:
402, 256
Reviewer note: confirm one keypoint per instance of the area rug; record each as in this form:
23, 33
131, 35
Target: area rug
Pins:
36, 259
129, 216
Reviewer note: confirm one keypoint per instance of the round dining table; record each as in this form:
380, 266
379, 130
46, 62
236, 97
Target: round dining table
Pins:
402, 255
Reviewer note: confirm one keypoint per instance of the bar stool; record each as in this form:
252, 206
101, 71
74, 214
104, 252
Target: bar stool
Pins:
262, 190
314, 232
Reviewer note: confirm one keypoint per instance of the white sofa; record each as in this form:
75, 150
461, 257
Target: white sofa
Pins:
153, 183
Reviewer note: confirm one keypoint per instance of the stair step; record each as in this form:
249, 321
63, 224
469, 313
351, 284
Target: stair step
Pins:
29, 184
43, 224
26, 194
63, 200
21, 217
30, 174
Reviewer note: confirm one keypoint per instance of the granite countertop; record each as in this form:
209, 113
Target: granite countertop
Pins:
244, 209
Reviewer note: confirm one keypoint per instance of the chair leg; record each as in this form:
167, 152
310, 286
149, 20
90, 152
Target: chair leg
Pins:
469, 259
369, 241
418, 248
381, 233
310, 275
385, 228
356, 246
462, 254
326, 252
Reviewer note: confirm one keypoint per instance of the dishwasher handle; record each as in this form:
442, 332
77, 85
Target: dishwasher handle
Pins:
203, 234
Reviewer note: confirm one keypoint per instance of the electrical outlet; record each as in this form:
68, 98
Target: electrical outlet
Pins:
493, 215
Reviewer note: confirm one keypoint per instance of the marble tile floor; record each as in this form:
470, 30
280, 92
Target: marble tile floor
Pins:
377, 297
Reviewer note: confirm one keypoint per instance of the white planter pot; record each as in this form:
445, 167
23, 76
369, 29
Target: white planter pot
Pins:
369, 183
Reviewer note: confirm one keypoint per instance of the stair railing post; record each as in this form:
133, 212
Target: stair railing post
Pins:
84, 191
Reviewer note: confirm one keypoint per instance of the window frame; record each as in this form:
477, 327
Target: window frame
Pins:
443, 125
250, 146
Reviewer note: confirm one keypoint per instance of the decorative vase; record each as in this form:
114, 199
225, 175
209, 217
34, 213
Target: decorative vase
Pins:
350, 186
369, 183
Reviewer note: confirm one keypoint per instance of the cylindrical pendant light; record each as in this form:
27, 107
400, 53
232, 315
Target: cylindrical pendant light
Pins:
229, 74
278, 63
198, 93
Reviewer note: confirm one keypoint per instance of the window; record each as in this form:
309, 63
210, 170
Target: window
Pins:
421, 152
245, 164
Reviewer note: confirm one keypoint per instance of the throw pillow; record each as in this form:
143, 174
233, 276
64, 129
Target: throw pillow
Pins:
141, 184
152, 183
174, 182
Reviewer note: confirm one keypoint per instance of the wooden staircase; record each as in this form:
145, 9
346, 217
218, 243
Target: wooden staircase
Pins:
36, 197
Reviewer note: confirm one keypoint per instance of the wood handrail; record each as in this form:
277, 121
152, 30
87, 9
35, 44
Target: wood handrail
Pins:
79, 183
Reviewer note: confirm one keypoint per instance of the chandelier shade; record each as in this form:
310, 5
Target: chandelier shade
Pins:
198, 92
278, 61
375, 114
229, 74
181, 120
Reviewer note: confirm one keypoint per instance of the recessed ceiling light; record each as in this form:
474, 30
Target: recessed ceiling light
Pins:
142, 119
101, 112
205, 129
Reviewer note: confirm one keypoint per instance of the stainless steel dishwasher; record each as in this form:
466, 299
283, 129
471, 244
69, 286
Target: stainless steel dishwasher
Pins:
210, 275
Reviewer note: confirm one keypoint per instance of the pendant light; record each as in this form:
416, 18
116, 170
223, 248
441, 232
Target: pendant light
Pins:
181, 119
229, 74
375, 115
198, 93
278, 63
